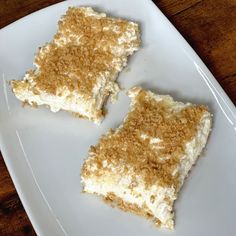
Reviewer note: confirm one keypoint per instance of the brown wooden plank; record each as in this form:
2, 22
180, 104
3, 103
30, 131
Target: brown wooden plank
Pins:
172, 7
12, 10
229, 85
13, 219
210, 28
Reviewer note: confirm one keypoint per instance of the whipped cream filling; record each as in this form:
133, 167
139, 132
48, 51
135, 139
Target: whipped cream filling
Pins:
105, 85
156, 199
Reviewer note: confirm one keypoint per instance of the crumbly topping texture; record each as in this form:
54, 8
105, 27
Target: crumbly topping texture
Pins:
86, 54
83, 48
130, 146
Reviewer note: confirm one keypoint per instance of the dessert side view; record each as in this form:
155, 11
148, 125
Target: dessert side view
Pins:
141, 166
77, 70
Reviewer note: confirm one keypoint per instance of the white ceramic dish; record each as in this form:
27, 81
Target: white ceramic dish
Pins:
44, 151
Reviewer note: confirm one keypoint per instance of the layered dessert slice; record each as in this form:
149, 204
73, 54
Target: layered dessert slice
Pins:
141, 166
77, 70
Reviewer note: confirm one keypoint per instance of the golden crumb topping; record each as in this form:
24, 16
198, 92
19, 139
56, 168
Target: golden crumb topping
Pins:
85, 49
151, 141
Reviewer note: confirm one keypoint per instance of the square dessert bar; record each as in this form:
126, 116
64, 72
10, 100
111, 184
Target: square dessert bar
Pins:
77, 70
141, 166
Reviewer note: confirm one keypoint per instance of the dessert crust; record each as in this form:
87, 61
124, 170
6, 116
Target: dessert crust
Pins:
114, 200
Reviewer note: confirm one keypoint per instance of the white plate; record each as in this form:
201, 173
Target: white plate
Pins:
44, 151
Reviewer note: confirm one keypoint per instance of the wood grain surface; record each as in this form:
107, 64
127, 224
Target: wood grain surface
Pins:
208, 25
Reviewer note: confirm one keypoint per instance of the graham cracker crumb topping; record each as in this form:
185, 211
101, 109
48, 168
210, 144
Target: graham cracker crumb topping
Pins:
126, 148
83, 51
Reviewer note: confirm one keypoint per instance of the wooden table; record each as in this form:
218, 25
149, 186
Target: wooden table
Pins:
208, 25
